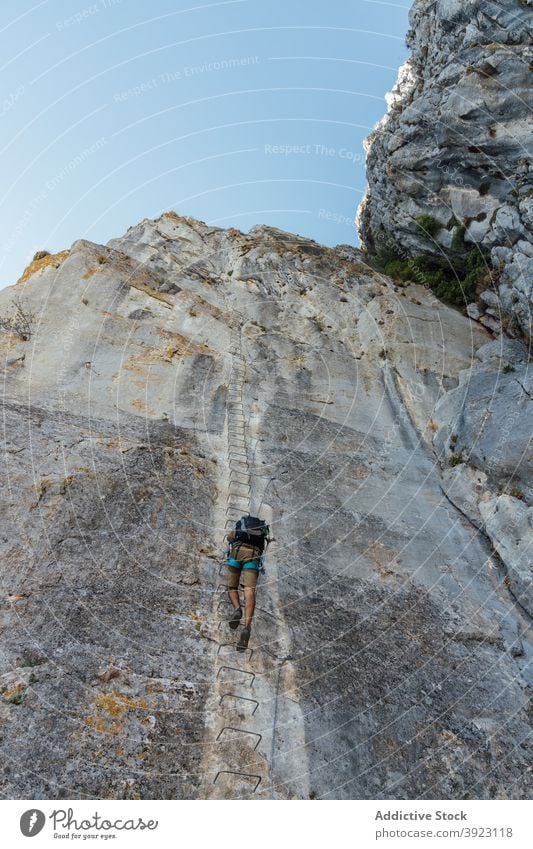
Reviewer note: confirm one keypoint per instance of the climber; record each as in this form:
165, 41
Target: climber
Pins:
245, 557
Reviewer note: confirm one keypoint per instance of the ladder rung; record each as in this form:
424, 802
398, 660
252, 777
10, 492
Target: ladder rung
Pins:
241, 731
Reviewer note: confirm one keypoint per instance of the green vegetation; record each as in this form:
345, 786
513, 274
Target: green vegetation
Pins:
20, 321
458, 239
454, 276
400, 269
16, 699
428, 225
455, 460
386, 252
452, 279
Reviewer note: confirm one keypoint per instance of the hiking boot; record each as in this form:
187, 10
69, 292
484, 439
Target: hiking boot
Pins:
242, 645
235, 619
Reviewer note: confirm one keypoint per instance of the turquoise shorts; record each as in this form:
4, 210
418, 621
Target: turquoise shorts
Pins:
251, 564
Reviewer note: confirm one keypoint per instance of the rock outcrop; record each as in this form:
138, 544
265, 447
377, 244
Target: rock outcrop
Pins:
449, 167
399, 582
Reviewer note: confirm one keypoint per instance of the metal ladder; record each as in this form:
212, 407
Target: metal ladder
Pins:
252, 704
238, 767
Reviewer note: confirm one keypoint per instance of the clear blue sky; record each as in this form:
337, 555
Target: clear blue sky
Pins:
238, 113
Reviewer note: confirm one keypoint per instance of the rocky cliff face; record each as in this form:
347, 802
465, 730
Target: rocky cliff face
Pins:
183, 373
449, 167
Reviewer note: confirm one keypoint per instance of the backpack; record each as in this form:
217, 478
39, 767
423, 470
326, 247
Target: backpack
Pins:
252, 531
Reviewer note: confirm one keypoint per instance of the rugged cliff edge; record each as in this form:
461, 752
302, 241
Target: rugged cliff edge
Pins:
385, 438
449, 167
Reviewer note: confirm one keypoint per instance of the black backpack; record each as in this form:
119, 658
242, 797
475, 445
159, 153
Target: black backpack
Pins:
252, 531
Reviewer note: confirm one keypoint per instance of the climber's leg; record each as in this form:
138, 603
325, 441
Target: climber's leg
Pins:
249, 605
235, 599
249, 579
233, 592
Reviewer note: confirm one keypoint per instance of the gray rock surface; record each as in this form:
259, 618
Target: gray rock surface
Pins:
456, 144
485, 430
410, 653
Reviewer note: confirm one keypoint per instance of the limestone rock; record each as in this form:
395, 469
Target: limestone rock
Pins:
410, 656
509, 523
456, 144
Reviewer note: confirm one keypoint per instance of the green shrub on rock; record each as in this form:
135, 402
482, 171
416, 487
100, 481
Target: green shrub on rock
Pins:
455, 460
452, 279
399, 269
458, 238
428, 225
